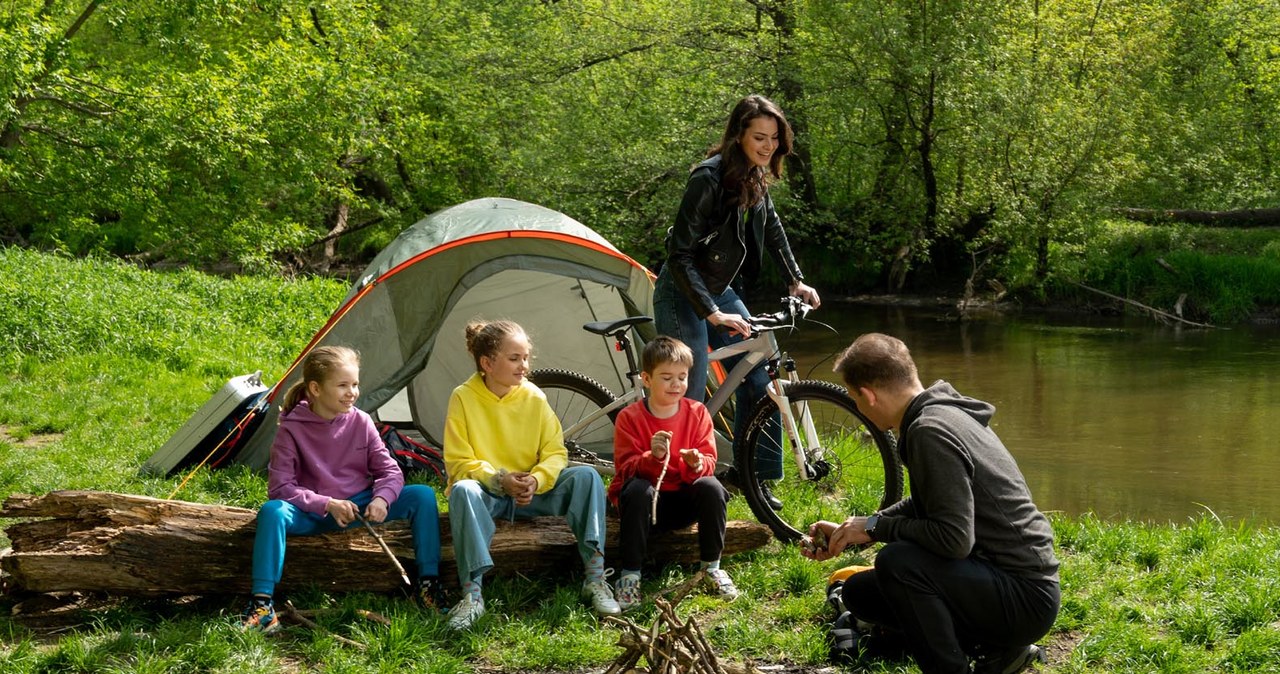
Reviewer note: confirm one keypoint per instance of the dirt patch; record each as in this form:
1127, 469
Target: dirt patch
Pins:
1060, 647
32, 441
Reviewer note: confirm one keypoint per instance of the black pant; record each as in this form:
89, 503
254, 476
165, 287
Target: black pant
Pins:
946, 609
702, 502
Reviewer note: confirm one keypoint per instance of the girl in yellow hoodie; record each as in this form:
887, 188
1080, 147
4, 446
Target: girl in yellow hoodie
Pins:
505, 456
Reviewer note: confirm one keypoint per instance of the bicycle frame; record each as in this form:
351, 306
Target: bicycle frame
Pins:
754, 351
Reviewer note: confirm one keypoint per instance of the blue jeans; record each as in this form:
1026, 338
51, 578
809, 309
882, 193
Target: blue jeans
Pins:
278, 519
674, 316
577, 496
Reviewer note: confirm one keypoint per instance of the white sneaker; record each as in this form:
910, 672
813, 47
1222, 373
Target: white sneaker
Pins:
719, 584
601, 596
466, 612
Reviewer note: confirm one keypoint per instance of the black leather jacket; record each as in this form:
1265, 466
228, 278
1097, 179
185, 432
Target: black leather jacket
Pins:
710, 242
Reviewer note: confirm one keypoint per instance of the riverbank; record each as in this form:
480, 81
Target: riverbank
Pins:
1217, 276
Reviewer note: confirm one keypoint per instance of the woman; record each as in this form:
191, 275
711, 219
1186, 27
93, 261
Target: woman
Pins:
725, 224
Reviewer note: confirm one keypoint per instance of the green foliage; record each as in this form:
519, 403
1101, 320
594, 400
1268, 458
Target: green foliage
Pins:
935, 141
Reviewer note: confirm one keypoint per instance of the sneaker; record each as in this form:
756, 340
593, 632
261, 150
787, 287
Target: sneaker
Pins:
260, 616
466, 612
431, 593
601, 597
1010, 661
627, 592
767, 492
719, 584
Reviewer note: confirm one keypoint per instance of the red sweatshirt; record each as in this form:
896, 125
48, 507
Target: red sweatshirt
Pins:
633, 431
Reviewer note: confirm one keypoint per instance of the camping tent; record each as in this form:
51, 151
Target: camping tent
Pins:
487, 258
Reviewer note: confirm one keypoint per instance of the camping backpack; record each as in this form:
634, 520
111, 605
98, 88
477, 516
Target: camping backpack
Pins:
412, 456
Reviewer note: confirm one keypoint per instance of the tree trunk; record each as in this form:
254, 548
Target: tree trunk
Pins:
1242, 218
138, 545
337, 222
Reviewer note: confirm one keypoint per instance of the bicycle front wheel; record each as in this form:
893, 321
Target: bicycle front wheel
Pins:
575, 397
852, 467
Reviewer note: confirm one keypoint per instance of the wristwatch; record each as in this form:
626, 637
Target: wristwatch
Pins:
870, 525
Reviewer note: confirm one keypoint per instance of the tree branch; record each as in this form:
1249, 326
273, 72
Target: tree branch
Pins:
88, 11
348, 230
1155, 312
604, 58
83, 109
57, 135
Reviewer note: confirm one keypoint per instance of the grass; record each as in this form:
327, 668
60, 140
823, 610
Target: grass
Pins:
83, 405
1227, 275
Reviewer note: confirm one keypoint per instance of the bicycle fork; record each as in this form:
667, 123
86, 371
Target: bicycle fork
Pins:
810, 445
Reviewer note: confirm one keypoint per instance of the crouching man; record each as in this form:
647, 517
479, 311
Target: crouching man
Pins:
967, 570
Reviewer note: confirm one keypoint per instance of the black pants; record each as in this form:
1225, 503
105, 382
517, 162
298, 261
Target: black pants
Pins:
947, 609
702, 502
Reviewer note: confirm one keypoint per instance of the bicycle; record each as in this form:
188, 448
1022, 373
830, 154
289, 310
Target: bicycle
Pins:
841, 463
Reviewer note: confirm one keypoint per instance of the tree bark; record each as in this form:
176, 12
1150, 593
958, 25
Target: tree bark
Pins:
1242, 218
138, 545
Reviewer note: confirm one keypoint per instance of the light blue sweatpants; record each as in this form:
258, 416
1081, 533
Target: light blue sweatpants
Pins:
278, 519
578, 496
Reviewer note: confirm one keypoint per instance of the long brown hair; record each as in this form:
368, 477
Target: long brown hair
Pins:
745, 182
316, 367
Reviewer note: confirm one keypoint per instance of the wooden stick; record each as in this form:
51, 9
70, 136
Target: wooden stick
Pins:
657, 489
404, 576
679, 592
292, 613
375, 617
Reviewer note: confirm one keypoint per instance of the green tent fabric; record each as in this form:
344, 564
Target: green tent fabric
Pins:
484, 259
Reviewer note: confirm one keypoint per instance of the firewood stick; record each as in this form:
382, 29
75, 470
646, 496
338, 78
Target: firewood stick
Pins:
678, 592
705, 647
403, 576
375, 617
292, 613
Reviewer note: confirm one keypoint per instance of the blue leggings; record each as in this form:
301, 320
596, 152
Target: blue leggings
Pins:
278, 519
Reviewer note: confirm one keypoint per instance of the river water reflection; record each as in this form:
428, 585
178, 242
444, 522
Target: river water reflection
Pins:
1120, 417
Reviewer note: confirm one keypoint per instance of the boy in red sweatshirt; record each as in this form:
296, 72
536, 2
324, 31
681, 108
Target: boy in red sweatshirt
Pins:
664, 448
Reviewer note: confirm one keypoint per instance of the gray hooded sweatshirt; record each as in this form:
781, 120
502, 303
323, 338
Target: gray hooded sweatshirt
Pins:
967, 495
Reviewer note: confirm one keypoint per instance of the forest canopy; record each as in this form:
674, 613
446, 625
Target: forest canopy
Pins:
933, 138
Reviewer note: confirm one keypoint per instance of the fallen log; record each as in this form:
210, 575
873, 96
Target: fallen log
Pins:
139, 545
1241, 218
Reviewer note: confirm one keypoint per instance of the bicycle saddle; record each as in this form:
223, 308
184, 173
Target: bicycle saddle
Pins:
609, 327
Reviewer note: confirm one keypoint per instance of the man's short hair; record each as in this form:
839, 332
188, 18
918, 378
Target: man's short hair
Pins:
665, 350
875, 359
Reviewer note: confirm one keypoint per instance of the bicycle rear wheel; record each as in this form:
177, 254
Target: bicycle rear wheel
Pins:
855, 466
574, 397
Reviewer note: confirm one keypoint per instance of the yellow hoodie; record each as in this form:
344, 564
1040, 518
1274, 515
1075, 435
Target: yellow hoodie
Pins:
485, 435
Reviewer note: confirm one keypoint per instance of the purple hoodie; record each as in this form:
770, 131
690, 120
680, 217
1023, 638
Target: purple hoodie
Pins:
314, 460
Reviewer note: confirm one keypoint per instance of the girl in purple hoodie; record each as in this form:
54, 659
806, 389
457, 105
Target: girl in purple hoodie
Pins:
328, 464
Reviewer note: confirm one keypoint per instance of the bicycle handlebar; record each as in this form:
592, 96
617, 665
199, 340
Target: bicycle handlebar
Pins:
792, 308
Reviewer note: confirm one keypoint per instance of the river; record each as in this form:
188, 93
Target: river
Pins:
1116, 416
